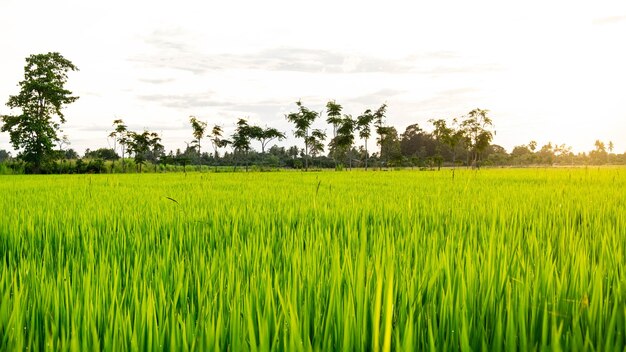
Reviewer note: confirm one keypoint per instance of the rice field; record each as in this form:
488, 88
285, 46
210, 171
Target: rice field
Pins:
503, 259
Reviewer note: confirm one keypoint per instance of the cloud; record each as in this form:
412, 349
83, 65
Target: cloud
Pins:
207, 99
609, 20
175, 49
276, 59
289, 59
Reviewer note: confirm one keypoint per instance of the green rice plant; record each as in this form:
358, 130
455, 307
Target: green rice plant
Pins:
368, 261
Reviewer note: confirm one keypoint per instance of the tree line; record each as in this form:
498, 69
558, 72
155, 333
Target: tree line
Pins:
462, 141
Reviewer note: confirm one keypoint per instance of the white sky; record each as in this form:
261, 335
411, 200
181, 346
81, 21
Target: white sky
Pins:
547, 70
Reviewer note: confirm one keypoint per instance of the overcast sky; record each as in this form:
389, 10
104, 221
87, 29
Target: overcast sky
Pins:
547, 70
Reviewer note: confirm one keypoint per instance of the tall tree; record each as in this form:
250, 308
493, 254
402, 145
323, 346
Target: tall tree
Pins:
599, 154
448, 135
266, 135
120, 136
216, 139
381, 129
600, 147
41, 100
476, 128
389, 144
363, 124
156, 150
303, 119
143, 146
564, 151
344, 140
139, 145
315, 142
546, 154
199, 127
241, 139
414, 139
333, 113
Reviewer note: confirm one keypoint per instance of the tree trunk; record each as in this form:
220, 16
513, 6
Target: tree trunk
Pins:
306, 152
366, 154
123, 163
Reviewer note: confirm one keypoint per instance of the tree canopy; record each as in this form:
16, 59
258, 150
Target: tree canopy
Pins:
41, 99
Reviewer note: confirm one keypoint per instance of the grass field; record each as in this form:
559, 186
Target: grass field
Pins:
404, 260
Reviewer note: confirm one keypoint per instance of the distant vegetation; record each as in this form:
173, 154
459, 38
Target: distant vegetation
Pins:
460, 141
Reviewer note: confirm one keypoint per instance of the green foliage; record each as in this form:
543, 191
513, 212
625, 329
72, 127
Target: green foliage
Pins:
303, 119
497, 260
41, 99
389, 144
145, 146
216, 139
341, 144
476, 127
450, 135
265, 135
4, 155
315, 142
199, 127
101, 153
122, 136
242, 135
363, 124
333, 111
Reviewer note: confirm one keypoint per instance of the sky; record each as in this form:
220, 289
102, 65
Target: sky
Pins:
549, 71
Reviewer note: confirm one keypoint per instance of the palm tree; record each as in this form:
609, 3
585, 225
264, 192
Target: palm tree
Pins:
120, 135
381, 129
333, 111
